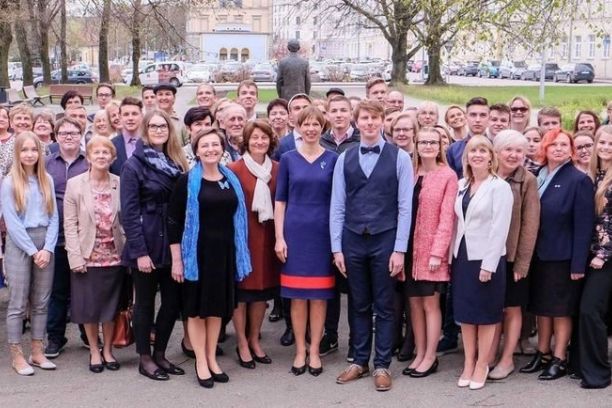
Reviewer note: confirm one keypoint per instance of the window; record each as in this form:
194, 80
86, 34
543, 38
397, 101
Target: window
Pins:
223, 54
257, 23
578, 46
314, 20
298, 20
297, 35
606, 46
234, 54
591, 46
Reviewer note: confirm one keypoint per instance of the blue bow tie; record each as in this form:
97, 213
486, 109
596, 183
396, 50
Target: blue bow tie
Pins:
374, 149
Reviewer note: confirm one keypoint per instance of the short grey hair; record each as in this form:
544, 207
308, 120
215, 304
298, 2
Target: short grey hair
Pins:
509, 137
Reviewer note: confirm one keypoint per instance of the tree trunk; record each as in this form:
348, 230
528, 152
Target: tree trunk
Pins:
433, 53
6, 37
21, 36
62, 41
398, 56
135, 30
43, 34
103, 42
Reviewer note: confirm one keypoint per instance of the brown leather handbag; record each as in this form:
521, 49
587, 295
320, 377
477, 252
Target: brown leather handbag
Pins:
124, 333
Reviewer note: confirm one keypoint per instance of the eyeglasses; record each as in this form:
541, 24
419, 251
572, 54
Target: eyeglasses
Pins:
584, 146
104, 95
66, 134
427, 142
519, 109
403, 130
158, 128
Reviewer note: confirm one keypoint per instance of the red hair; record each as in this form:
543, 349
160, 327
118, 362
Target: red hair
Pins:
548, 139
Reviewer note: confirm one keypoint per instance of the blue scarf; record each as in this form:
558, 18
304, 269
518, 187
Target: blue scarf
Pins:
192, 225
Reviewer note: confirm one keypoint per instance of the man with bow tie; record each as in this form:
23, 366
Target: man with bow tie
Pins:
370, 219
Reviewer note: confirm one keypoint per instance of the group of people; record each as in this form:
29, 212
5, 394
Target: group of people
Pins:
487, 218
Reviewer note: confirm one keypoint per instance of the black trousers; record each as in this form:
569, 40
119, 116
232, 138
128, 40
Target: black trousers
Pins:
593, 330
145, 286
332, 317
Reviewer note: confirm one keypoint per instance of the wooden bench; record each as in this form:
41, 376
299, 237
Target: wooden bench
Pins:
30, 92
85, 90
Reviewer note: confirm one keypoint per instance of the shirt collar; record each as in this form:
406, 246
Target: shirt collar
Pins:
381, 143
296, 135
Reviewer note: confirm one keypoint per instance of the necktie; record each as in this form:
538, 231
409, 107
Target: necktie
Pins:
366, 150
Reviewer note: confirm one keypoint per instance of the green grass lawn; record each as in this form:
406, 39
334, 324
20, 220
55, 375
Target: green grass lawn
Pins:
265, 95
569, 99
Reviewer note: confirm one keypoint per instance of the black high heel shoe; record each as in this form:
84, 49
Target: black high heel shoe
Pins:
246, 364
111, 365
429, 371
220, 377
263, 360
186, 351
207, 382
96, 368
538, 363
299, 370
315, 372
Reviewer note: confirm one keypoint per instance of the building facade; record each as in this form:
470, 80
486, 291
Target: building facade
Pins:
224, 30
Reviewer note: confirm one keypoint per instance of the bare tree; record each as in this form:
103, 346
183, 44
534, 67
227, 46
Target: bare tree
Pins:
62, 42
103, 41
43, 15
21, 36
8, 10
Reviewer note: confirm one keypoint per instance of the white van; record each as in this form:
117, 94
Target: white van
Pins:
166, 72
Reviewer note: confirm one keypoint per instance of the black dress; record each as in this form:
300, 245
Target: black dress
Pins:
476, 302
212, 295
414, 288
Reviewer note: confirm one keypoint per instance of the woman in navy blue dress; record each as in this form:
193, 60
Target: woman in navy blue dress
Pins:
301, 216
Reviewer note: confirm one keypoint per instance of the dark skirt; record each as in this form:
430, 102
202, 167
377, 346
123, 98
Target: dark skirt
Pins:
475, 302
517, 293
94, 295
552, 292
248, 296
422, 288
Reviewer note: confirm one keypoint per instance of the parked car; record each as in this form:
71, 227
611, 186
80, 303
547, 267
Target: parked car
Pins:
489, 69
531, 73
233, 71
573, 73
199, 73
452, 68
360, 72
263, 73
512, 70
78, 76
469, 69
162, 72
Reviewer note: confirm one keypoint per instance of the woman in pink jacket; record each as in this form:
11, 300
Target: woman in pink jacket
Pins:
433, 220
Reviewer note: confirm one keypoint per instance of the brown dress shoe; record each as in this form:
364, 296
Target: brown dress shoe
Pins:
353, 372
382, 379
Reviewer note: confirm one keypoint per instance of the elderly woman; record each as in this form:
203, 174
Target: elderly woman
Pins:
455, 119
101, 124
534, 138
562, 248
257, 175
44, 122
207, 226
206, 95
22, 118
114, 116
147, 179
593, 336
583, 140
278, 117
427, 269
520, 113
483, 208
587, 120
94, 242
301, 218
427, 114
510, 147
402, 131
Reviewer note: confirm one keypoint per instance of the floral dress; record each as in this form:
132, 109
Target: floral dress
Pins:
104, 252
601, 246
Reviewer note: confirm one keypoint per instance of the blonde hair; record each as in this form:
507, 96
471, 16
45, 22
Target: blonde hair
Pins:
104, 142
19, 176
474, 143
600, 193
172, 147
22, 108
416, 159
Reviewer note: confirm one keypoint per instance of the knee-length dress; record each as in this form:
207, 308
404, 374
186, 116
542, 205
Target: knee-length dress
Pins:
212, 295
306, 189
476, 302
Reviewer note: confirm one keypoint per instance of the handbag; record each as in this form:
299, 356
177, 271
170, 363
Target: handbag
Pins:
124, 333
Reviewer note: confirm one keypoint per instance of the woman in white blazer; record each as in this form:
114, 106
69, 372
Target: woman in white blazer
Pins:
484, 210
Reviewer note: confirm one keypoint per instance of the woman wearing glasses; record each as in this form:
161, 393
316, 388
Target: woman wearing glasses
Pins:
403, 129
147, 179
427, 269
520, 113
583, 139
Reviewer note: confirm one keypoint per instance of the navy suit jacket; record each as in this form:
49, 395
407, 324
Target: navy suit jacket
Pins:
286, 144
567, 218
115, 168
